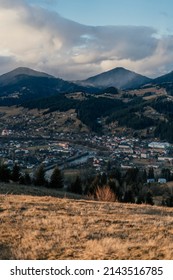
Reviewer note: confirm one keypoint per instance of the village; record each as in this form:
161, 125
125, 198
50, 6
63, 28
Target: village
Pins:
85, 151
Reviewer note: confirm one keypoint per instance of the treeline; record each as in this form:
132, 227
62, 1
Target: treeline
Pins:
54, 103
113, 185
38, 178
131, 186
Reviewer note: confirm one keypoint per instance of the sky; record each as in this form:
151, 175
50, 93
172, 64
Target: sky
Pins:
76, 39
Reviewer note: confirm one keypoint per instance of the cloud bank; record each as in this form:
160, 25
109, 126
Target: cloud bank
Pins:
43, 40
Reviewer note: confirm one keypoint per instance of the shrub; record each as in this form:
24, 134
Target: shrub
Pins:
105, 193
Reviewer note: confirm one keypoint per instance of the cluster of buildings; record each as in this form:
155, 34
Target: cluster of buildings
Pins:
73, 150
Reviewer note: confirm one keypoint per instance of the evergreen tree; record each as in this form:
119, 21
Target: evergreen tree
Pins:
169, 201
25, 179
132, 175
56, 180
4, 173
165, 173
140, 199
129, 197
15, 176
144, 176
149, 198
151, 173
115, 173
103, 179
39, 178
76, 187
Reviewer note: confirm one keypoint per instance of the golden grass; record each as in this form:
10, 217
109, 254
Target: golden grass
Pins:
33, 227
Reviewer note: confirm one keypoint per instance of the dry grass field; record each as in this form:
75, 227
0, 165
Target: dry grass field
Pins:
46, 227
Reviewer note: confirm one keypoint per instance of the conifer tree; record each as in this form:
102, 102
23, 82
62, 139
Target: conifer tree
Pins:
76, 186
39, 179
151, 173
4, 173
149, 198
15, 176
25, 179
56, 180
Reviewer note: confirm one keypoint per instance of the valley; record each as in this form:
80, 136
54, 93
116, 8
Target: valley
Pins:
113, 150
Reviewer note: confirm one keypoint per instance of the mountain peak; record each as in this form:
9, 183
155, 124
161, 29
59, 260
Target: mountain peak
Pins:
12, 75
29, 72
118, 77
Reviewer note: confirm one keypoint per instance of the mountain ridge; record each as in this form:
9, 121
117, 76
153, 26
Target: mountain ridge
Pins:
12, 75
118, 77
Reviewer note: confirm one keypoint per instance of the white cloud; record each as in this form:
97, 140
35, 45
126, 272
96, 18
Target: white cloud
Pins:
35, 37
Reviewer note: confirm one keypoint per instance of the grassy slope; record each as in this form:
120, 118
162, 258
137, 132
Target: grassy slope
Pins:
46, 227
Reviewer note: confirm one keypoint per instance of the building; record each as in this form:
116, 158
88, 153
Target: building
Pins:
5, 132
162, 180
152, 180
159, 145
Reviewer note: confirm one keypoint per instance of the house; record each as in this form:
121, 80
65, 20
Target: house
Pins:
151, 180
159, 145
162, 181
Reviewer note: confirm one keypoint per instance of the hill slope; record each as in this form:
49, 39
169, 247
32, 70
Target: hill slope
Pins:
35, 227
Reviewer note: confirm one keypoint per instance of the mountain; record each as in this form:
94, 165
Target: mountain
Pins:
120, 78
96, 108
166, 82
24, 84
168, 78
18, 73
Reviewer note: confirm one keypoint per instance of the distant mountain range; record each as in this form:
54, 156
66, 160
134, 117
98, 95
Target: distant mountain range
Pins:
122, 78
24, 84
98, 101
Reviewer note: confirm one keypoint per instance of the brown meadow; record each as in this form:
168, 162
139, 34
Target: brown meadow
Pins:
45, 227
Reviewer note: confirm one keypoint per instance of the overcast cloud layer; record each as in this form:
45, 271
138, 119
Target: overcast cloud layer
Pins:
40, 39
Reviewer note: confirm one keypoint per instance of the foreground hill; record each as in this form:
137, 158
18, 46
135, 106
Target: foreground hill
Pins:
34, 227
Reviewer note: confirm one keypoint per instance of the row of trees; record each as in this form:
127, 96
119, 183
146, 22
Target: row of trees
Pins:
129, 186
38, 178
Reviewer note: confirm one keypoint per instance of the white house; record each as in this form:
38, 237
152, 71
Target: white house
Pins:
159, 145
162, 180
